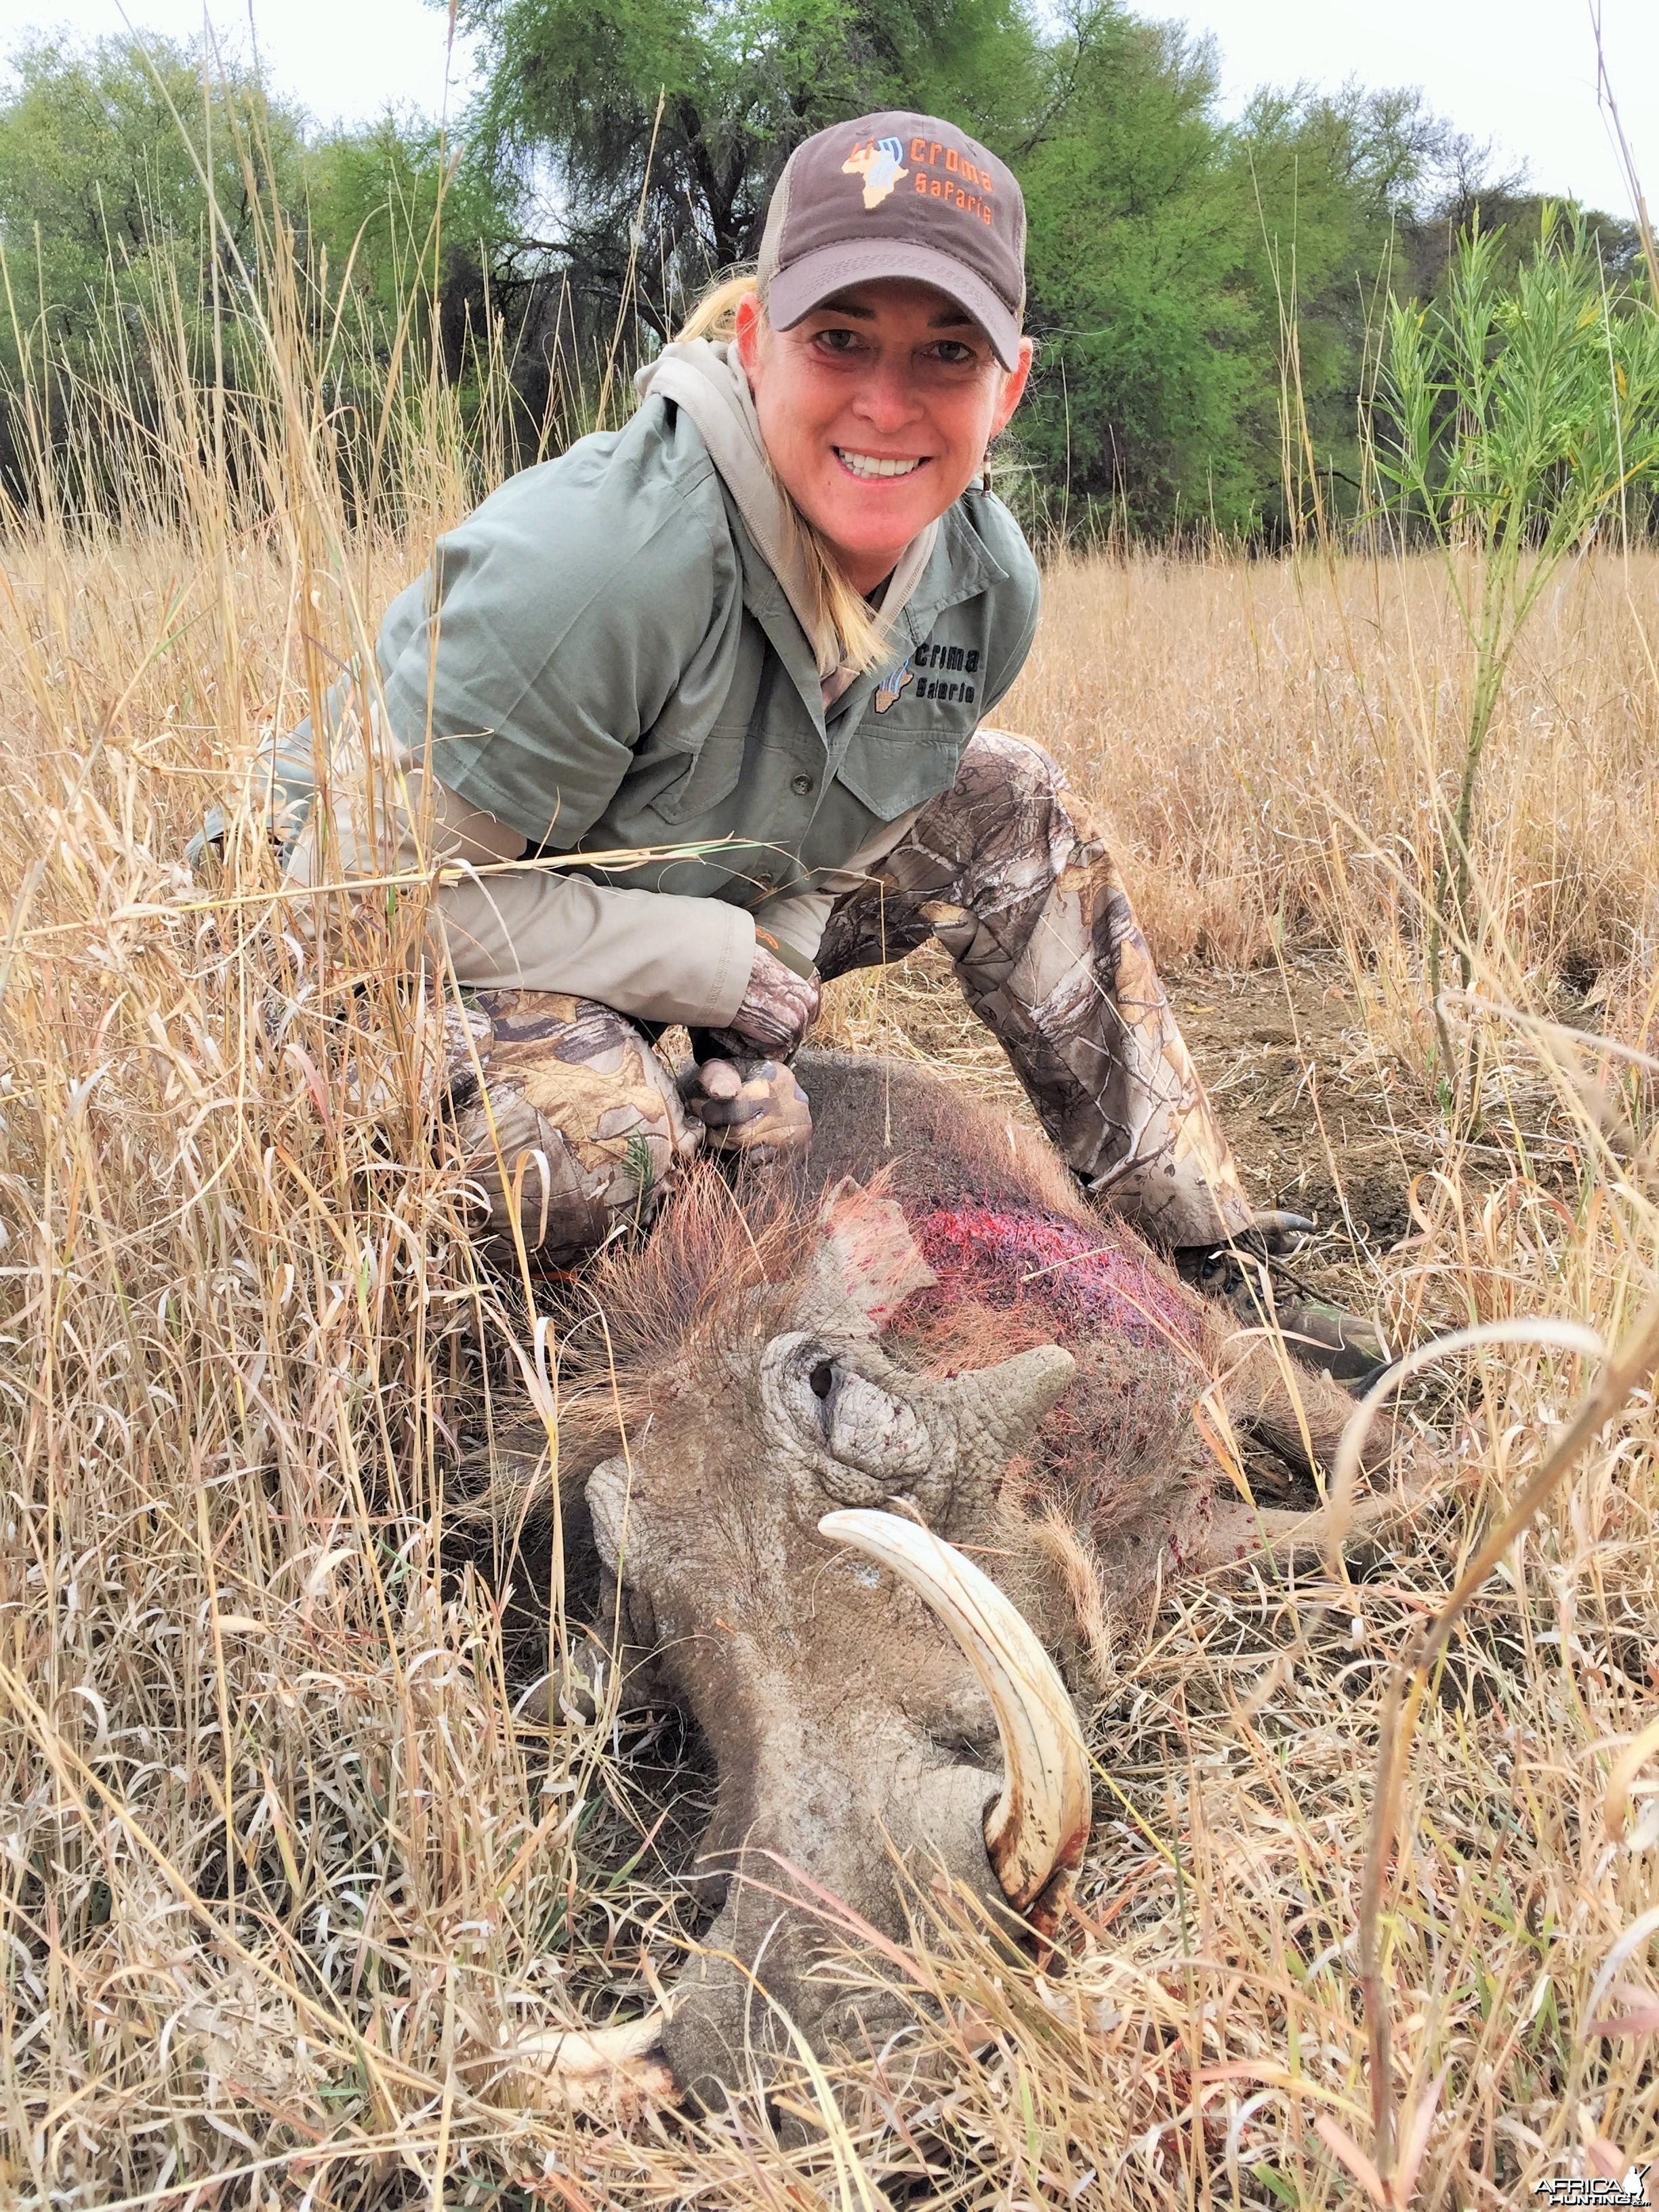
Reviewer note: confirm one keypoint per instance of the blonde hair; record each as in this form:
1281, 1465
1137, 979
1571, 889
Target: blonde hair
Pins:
842, 616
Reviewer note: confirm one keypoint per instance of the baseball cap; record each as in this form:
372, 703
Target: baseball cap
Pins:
897, 195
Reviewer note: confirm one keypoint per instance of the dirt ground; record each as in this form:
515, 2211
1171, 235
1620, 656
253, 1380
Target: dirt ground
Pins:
1282, 1056
1316, 1124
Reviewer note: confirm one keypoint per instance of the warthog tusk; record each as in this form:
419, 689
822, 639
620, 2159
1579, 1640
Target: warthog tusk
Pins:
586, 2059
590, 2049
1037, 1828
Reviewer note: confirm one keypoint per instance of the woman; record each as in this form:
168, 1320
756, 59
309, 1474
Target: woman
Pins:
767, 621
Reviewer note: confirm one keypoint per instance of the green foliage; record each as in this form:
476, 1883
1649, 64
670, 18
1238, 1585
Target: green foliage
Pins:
157, 206
649, 203
108, 157
1134, 254
1173, 260
1170, 255
1336, 181
1520, 419
1195, 286
102, 161
1520, 415
371, 202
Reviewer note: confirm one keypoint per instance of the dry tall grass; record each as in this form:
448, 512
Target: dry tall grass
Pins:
281, 1870
1235, 719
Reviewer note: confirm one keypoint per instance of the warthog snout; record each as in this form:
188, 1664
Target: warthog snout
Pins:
835, 1832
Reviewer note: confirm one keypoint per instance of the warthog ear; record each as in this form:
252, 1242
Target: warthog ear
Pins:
867, 1257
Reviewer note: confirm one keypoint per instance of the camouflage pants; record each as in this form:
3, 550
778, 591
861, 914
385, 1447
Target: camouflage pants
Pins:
1008, 871
575, 1125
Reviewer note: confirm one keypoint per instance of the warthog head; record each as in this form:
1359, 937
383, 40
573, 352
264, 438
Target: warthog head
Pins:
870, 1697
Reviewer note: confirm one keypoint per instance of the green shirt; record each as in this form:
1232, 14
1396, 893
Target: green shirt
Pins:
609, 664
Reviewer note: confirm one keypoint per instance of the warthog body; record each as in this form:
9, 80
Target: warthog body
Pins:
1001, 1362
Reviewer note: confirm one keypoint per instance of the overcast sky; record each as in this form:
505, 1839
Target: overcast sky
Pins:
1521, 72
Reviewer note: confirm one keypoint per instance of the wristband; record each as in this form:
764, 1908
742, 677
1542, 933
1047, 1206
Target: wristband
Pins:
797, 963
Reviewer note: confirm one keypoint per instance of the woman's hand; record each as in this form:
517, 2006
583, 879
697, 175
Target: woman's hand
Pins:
753, 1107
778, 1009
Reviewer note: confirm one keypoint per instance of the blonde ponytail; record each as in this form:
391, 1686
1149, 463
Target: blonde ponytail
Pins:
715, 315
844, 620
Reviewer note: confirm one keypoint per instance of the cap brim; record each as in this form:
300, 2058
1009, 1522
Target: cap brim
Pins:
807, 283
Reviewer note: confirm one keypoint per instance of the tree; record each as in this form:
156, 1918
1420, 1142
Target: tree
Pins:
101, 193
1147, 339
103, 158
150, 192
1169, 252
415, 225
649, 203
1186, 274
1337, 185
1183, 270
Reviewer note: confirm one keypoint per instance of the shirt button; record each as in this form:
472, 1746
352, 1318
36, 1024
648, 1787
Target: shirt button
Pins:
802, 784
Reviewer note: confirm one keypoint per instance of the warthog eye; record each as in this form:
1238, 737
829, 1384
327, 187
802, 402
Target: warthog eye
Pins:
821, 1382
865, 1434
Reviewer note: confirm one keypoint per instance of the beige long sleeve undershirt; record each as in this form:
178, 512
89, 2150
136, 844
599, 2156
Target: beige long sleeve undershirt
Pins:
646, 953
649, 954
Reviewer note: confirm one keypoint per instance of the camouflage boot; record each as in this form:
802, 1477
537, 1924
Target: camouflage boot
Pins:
1317, 1333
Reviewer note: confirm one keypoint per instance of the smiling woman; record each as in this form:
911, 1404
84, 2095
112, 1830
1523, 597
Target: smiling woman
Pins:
712, 687
886, 384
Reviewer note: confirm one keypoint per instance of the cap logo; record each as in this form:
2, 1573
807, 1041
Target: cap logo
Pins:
878, 163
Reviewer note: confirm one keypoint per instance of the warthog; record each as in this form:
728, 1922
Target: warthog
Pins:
868, 1469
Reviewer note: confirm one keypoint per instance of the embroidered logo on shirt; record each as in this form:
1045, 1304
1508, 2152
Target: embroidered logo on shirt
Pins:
878, 163
889, 686
957, 661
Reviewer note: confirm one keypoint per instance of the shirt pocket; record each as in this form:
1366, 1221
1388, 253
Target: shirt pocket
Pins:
891, 772
705, 778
